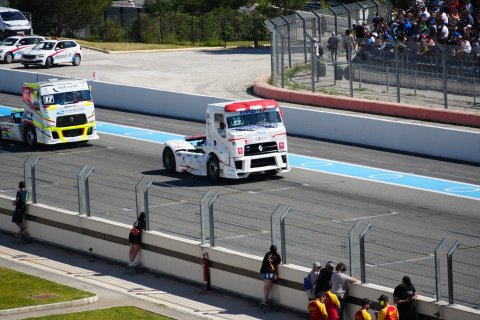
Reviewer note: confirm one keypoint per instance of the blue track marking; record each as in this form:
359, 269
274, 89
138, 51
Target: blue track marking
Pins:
402, 179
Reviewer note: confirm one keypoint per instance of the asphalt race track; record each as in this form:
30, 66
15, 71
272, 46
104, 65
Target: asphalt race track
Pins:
407, 223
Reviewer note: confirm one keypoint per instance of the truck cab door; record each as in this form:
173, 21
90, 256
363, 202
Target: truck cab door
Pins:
220, 134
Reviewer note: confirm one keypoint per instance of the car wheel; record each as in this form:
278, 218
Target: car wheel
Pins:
26, 66
8, 58
30, 136
213, 168
48, 62
77, 60
169, 160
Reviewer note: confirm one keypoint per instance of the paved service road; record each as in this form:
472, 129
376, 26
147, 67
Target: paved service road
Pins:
214, 72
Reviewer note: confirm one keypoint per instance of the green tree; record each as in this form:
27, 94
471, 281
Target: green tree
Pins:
60, 17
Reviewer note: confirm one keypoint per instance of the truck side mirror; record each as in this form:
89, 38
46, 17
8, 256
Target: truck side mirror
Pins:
36, 105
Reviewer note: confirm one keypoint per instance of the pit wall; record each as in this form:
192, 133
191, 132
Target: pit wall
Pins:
230, 271
404, 136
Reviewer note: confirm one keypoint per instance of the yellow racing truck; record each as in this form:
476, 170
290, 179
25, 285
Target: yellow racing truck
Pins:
55, 111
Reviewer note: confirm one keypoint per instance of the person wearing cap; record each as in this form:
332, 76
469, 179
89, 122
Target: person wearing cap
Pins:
269, 271
340, 282
404, 297
313, 275
363, 314
324, 281
317, 308
388, 312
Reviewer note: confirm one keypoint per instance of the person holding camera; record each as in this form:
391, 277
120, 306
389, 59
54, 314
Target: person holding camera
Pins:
404, 297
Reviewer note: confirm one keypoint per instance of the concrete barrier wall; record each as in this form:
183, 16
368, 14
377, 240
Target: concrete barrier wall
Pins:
402, 136
230, 270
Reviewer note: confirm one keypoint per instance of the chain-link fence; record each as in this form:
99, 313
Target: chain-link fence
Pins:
228, 220
389, 70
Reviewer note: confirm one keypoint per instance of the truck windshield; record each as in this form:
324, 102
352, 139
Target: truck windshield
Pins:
251, 121
66, 97
12, 16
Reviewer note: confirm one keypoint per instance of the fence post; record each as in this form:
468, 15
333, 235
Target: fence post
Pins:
437, 269
335, 19
319, 26
272, 222
203, 204
142, 188
363, 274
444, 63
349, 16
351, 255
210, 218
288, 42
282, 234
84, 190
145, 203
450, 271
397, 74
29, 167
304, 36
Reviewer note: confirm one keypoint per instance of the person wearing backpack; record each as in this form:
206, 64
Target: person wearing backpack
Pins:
20, 204
310, 280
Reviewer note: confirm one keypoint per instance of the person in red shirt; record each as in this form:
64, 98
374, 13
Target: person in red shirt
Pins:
332, 304
363, 314
317, 309
388, 311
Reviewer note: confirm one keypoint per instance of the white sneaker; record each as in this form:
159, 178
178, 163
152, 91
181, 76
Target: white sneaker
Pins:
130, 264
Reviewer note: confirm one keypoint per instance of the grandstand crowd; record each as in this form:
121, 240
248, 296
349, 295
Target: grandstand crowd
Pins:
455, 23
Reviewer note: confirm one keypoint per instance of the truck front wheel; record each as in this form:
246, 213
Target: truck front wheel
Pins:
30, 136
213, 168
169, 160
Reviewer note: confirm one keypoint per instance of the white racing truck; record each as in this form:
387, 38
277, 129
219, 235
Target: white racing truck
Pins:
55, 111
241, 138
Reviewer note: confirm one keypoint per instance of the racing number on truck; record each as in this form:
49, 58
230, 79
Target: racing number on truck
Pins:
48, 99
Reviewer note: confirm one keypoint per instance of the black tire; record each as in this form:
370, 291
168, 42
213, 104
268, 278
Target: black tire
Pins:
169, 160
26, 66
30, 136
8, 58
48, 63
213, 168
271, 173
77, 60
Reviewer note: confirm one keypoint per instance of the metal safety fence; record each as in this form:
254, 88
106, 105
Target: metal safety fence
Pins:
390, 70
373, 253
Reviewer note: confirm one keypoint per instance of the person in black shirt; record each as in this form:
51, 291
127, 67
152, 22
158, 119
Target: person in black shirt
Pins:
135, 239
324, 281
404, 296
20, 204
269, 271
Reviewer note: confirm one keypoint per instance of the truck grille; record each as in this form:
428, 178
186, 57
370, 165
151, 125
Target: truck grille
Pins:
72, 133
263, 162
71, 120
260, 148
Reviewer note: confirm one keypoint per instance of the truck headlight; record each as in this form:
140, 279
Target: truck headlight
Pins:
1, 50
7, 25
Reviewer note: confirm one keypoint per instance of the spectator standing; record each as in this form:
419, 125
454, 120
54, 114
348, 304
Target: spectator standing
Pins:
332, 46
332, 304
349, 43
340, 283
317, 308
269, 271
20, 203
363, 314
404, 297
324, 281
135, 239
313, 275
388, 312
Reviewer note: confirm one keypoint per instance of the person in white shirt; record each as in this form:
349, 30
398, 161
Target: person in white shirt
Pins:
464, 47
340, 283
